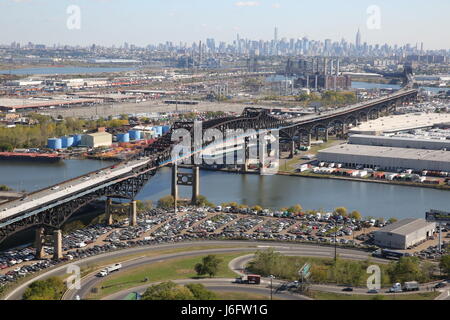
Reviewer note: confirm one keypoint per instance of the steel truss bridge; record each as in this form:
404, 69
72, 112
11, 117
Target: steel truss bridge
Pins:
50, 208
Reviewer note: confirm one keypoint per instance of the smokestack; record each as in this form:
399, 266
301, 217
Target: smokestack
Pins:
337, 67
331, 67
325, 66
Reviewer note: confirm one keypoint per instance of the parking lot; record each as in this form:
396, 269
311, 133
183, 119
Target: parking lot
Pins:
160, 226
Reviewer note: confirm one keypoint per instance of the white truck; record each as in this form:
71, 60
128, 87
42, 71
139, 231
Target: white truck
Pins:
411, 286
396, 288
109, 270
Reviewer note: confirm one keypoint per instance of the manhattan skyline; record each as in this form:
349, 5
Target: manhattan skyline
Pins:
113, 22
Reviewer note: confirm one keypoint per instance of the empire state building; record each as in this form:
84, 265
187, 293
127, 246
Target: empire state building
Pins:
358, 40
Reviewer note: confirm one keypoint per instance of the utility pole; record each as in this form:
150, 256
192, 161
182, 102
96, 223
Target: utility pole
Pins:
271, 287
335, 241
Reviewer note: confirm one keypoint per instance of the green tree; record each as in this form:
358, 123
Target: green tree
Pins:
356, 215
167, 291
202, 201
393, 220
297, 209
4, 188
257, 208
50, 289
444, 264
200, 292
143, 206
341, 211
406, 269
209, 265
265, 262
167, 202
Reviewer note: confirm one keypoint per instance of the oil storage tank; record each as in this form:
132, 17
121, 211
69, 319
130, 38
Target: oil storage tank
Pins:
54, 143
165, 129
123, 137
158, 131
67, 142
77, 139
135, 135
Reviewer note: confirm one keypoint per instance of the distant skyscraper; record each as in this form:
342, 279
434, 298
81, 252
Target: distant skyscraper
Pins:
358, 40
275, 37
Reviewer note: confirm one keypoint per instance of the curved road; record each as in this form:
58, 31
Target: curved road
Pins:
221, 285
234, 246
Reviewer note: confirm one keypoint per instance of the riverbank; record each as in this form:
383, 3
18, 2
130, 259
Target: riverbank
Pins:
342, 178
368, 180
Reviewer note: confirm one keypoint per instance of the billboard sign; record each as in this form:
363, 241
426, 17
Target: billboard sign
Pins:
438, 216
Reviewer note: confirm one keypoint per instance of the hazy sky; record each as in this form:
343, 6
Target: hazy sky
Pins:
143, 22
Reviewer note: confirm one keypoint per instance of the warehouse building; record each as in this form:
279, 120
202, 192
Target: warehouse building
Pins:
98, 139
400, 123
386, 158
399, 142
404, 234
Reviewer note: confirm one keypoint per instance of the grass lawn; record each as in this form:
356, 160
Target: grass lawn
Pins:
317, 295
289, 165
174, 269
94, 267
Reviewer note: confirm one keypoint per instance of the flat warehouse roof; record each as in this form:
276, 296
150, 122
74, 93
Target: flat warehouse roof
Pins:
394, 138
406, 226
389, 152
402, 122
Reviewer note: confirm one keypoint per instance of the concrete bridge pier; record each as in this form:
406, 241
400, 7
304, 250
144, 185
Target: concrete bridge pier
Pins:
57, 245
292, 149
344, 131
109, 216
133, 214
175, 182
39, 243
246, 154
326, 135
195, 183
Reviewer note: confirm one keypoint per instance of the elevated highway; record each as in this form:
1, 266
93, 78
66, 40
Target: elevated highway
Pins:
50, 208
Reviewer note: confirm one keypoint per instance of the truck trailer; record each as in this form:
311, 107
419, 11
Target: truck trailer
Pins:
249, 279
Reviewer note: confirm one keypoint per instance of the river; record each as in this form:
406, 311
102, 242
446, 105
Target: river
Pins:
377, 200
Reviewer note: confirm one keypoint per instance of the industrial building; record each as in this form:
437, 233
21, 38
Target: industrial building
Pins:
24, 105
404, 234
386, 158
400, 123
98, 139
317, 73
399, 142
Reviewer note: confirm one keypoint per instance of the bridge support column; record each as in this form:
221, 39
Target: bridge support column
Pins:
326, 135
174, 182
109, 216
344, 131
57, 245
133, 214
309, 139
292, 147
246, 154
39, 243
195, 184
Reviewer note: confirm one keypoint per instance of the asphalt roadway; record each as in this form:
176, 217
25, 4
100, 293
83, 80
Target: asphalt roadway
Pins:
220, 285
234, 247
